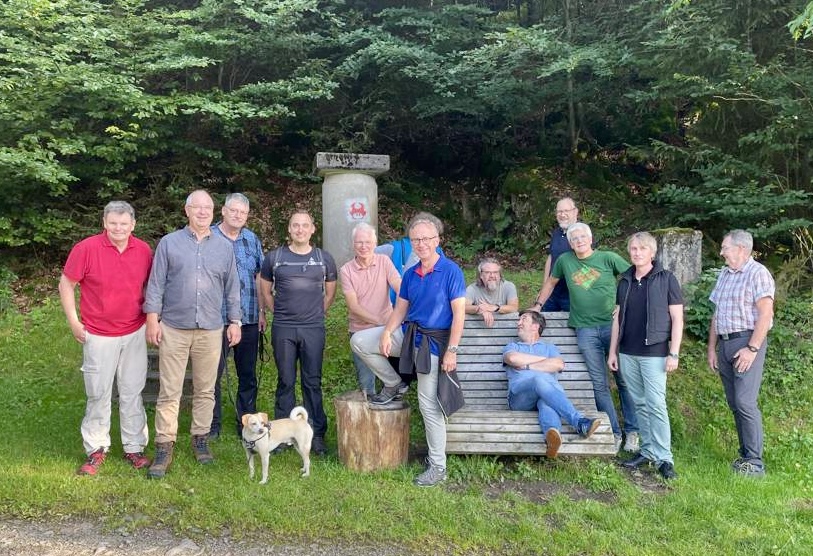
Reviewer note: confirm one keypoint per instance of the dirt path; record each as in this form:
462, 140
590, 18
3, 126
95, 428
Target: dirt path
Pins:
79, 538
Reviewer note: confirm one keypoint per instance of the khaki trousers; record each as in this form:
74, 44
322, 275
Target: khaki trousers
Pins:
176, 349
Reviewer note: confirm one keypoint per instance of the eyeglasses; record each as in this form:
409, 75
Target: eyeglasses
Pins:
494, 272
237, 212
419, 240
565, 211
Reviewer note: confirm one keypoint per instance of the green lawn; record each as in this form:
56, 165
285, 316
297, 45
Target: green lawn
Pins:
708, 510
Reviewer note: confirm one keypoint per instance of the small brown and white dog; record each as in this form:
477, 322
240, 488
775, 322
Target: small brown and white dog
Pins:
261, 436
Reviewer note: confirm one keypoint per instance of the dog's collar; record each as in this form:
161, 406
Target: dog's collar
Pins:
251, 443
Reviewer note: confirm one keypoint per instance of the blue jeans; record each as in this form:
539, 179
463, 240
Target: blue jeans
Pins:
364, 374
594, 343
646, 381
533, 389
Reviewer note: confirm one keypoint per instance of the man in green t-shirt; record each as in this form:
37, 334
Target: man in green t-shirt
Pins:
591, 278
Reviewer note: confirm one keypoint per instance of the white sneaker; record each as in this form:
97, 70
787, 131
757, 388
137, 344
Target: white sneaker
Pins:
633, 443
617, 442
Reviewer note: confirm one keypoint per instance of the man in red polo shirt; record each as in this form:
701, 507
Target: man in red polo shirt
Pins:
112, 269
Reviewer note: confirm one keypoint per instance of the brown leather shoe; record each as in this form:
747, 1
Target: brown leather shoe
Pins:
200, 445
553, 439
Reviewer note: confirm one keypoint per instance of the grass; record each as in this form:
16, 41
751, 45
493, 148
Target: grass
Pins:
485, 508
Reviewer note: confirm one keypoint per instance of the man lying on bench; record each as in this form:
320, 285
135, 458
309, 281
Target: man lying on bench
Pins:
532, 367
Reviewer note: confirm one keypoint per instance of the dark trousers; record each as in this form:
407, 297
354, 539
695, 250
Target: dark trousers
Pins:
559, 300
306, 345
742, 393
245, 363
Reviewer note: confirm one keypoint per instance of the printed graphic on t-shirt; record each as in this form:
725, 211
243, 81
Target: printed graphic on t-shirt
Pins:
585, 277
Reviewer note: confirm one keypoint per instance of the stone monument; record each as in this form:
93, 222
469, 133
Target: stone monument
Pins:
349, 196
680, 250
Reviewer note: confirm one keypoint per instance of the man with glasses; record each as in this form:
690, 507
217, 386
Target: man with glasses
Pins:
193, 275
743, 315
425, 327
591, 280
248, 252
491, 294
566, 215
366, 280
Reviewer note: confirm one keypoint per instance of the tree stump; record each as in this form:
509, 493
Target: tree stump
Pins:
371, 439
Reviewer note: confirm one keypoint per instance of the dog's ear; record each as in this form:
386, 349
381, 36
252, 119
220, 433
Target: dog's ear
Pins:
263, 417
245, 419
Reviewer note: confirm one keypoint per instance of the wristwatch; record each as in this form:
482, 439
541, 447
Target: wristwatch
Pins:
452, 349
674, 356
752, 349
237, 322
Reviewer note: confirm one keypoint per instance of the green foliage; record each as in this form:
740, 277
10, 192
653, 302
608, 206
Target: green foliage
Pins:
699, 309
7, 278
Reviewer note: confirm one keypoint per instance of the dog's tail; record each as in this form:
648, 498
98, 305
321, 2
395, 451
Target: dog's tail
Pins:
299, 412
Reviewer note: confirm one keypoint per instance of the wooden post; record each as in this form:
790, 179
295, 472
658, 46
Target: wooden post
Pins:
371, 439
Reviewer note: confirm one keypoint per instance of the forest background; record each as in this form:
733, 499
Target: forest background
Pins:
651, 113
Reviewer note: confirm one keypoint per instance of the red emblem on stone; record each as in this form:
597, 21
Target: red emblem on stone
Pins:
357, 211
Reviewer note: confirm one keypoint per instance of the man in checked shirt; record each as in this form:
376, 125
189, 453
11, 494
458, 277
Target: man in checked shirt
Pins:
743, 299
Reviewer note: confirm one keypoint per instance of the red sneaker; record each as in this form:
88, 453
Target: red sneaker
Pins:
137, 459
92, 464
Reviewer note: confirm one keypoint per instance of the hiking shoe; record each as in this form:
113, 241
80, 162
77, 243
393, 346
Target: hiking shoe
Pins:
389, 393
553, 440
214, 434
633, 443
587, 427
92, 463
667, 471
137, 459
200, 447
162, 460
432, 476
737, 463
318, 446
639, 461
751, 469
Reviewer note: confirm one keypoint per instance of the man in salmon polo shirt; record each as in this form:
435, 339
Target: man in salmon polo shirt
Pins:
366, 280
112, 270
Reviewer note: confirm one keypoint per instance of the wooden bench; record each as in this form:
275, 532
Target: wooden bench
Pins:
487, 426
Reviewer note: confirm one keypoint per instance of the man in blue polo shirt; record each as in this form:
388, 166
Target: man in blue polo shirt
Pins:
425, 327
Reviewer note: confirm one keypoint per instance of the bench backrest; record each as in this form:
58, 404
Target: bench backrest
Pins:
479, 363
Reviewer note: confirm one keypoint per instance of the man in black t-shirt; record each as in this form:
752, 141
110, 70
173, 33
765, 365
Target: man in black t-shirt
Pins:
298, 284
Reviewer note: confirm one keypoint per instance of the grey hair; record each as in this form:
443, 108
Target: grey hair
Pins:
363, 226
571, 230
646, 239
426, 218
483, 262
238, 198
741, 238
119, 207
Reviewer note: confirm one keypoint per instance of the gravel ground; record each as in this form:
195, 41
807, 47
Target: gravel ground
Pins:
81, 538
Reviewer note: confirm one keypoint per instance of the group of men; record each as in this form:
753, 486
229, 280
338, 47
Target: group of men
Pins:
205, 292
208, 287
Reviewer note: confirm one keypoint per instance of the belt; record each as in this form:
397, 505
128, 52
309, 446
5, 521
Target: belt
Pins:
735, 335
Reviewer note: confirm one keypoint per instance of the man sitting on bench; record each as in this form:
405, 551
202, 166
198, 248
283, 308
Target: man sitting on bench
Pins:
532, 366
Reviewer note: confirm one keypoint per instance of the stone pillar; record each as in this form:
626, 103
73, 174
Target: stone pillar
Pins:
679, 250
349, 196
